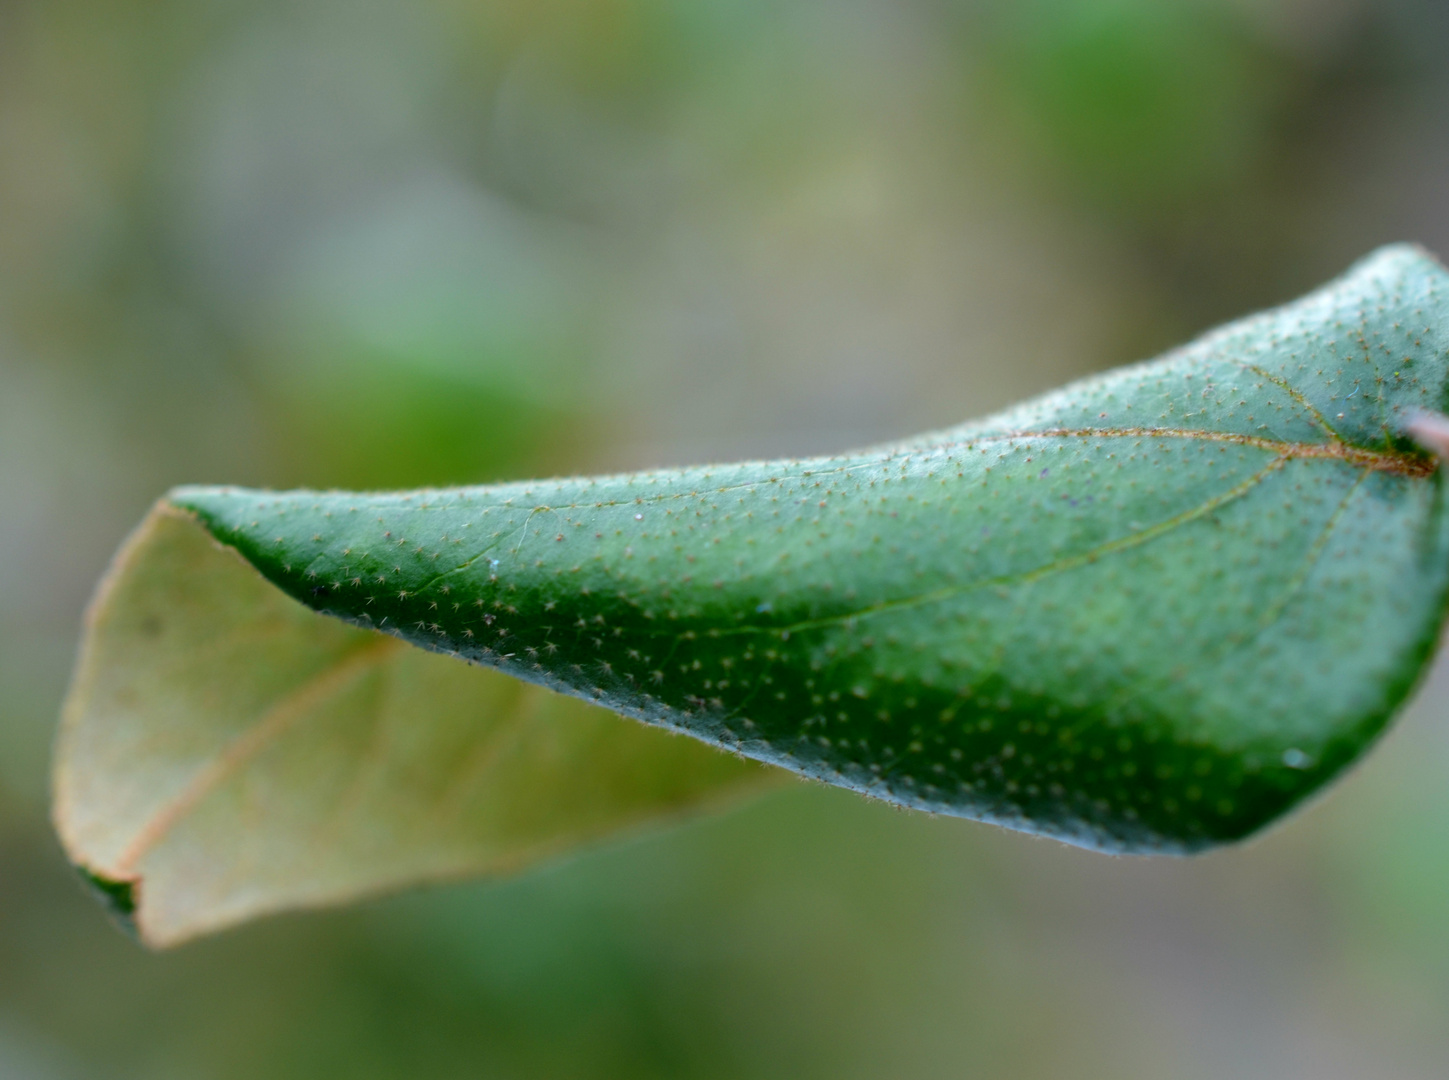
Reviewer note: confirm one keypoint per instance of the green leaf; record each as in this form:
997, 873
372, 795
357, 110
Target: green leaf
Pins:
226, 752
1148, 613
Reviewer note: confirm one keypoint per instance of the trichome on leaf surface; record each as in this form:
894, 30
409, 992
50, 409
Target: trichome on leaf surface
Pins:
1149, 612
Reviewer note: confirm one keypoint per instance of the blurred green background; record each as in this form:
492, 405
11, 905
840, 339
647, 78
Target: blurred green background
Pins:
378, 243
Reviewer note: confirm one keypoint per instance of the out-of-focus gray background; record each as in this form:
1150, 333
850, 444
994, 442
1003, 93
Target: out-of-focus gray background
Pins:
381, 243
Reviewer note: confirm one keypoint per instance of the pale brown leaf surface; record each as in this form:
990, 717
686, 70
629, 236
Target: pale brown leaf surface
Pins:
228, 752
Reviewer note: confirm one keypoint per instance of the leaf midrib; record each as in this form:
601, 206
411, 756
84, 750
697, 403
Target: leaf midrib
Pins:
1393, 462
282, 713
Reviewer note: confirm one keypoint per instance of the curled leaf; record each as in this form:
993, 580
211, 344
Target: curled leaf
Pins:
1150, 612
225, 752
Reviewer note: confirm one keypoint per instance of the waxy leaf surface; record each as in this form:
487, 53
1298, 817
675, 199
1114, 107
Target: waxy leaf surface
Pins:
1149, 612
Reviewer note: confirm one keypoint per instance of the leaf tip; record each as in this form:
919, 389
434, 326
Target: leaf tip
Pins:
118, 896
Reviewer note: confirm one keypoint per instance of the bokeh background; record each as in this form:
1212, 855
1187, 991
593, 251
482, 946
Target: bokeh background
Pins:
398, 242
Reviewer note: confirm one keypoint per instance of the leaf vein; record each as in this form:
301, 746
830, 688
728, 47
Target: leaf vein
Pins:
246, 746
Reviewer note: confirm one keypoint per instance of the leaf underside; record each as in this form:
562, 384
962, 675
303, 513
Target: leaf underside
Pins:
1149, 612
226, 752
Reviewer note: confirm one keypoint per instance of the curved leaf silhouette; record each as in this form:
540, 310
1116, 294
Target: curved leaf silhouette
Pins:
226, 752
1149, 612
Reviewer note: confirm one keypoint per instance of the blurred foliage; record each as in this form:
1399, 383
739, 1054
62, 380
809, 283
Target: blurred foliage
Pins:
516, 237
1148, 108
